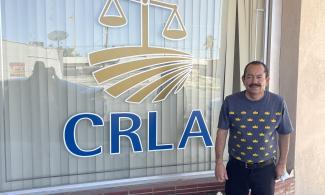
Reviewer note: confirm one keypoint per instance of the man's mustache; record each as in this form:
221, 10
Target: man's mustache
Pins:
254, 85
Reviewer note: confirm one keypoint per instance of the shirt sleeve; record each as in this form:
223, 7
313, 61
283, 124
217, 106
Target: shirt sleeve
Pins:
285, 126
224, 116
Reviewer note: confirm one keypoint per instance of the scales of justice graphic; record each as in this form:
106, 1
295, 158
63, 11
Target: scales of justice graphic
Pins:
172, 67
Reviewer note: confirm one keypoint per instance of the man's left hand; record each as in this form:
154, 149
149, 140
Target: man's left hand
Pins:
280, 170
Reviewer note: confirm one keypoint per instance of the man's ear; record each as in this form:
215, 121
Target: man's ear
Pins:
267, 80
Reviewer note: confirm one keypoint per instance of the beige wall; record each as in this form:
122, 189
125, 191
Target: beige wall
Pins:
303, 52
310, 141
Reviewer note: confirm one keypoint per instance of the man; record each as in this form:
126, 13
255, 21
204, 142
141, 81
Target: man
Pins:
253, 118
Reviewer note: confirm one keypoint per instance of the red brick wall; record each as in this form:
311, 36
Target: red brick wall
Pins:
204, 186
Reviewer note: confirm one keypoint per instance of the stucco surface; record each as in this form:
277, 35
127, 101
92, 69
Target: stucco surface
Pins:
310, 118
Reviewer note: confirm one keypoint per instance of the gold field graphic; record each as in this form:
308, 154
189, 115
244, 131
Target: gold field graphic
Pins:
151, 67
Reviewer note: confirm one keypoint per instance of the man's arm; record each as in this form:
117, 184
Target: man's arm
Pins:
220, 170
284, 140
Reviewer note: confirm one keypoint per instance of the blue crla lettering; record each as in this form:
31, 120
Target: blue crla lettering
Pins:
116, 132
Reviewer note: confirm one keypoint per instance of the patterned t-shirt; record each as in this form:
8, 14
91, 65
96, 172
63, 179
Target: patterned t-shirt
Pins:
253, 125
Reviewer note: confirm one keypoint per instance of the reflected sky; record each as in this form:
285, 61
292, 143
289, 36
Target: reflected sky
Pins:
27, 21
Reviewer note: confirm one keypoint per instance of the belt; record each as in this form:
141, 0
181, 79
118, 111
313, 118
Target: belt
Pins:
252, 165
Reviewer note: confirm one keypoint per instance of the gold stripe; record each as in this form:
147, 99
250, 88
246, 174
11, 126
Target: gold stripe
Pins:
142, 93
128, 83
162, 95
111, 54
111, 72
180, 86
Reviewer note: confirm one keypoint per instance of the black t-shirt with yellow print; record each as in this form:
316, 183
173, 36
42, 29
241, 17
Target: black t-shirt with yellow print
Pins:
253, 125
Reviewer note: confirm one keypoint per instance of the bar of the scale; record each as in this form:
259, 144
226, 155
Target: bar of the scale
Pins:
158, 3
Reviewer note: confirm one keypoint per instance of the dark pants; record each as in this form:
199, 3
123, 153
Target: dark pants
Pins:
260, 180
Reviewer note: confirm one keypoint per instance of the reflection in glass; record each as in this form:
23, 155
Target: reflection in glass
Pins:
45, 80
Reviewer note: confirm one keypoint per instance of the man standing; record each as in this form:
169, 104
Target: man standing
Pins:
253, 118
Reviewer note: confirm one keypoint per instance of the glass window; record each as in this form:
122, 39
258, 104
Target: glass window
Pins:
54, 56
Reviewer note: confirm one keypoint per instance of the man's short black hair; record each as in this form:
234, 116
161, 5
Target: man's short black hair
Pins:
266, 70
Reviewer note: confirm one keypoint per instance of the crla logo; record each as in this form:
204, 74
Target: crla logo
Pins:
151, 67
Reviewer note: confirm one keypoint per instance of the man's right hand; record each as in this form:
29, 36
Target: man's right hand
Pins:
220, 172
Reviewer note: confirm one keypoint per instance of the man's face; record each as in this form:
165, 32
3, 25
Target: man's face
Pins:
255, 79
